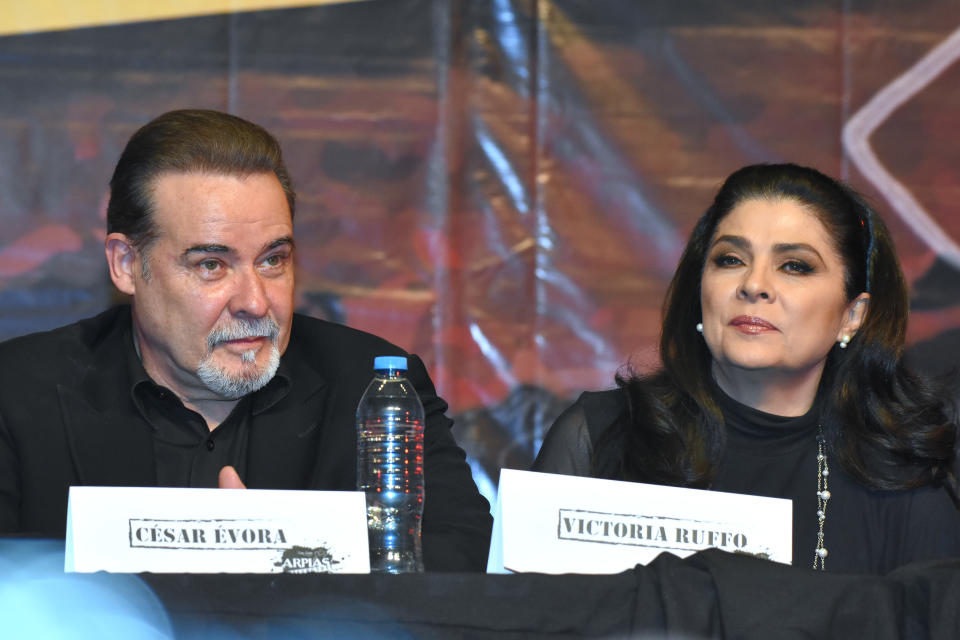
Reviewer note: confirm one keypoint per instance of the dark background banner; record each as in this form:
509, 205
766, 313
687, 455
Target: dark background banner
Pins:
502, 186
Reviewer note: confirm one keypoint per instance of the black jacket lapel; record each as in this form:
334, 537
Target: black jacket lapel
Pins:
283, 439
96, 438
110, 444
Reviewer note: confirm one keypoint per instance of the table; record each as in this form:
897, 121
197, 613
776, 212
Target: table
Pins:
712, 594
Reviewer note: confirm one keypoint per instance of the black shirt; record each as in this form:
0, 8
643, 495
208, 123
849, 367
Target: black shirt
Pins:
776, 456
187, 453
866, 531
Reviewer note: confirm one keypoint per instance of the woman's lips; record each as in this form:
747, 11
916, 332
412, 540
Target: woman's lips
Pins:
751, 325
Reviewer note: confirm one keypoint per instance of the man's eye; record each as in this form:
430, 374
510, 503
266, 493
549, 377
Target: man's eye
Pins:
273, 261
210, 265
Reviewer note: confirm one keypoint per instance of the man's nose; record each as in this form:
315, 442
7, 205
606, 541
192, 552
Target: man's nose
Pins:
250, 295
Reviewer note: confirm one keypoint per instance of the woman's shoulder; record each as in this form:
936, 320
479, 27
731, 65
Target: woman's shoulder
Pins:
601, 409
568, 445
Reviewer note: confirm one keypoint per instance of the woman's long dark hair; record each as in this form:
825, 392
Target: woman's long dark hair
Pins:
889, 427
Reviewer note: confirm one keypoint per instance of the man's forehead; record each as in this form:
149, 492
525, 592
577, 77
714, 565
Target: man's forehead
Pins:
220, 213
198, 204
180, 181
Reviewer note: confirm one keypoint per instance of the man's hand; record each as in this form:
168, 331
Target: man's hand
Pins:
230, 479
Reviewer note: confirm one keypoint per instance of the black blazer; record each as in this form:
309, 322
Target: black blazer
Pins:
67, 418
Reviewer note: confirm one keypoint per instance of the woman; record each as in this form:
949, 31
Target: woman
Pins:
782, 376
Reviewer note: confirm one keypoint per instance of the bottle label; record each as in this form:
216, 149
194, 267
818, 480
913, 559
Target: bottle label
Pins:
390, 471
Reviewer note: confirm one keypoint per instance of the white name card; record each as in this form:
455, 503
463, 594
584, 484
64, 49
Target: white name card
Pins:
164, 530
549, 523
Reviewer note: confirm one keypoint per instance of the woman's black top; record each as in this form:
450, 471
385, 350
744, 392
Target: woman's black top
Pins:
866, 530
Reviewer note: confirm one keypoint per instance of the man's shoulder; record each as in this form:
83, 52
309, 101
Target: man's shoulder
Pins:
70, 344
313, 334
336, 351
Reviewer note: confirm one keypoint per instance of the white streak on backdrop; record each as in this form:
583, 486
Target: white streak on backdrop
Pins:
859, 128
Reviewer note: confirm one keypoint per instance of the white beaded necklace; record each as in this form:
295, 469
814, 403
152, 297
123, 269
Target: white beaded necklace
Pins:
823, 495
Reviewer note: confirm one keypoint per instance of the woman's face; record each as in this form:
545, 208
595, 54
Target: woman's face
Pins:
772, 291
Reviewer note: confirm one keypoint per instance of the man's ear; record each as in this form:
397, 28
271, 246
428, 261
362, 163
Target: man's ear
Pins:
856, 314
123, 261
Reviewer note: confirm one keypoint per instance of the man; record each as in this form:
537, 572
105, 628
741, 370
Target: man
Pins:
208, 378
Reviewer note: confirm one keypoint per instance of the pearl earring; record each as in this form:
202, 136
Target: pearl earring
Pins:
844, 341
699, 327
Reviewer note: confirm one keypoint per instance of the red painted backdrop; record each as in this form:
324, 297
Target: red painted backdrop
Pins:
502, 186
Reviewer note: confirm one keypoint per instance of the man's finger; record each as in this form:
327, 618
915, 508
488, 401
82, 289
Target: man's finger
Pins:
230, 479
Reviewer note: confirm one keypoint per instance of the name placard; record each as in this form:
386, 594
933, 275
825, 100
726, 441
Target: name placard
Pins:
549, 523
166, 530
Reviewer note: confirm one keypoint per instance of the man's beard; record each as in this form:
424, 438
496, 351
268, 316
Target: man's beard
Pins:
250, 377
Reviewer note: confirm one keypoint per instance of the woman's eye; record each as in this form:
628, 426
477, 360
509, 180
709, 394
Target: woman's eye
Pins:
796, 266
727, 260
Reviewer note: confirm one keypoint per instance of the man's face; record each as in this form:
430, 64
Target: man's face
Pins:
212, 311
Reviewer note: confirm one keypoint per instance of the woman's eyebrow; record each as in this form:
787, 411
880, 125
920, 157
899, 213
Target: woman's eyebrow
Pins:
738, 241
788, 247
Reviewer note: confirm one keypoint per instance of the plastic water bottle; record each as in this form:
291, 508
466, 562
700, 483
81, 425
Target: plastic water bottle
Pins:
390, 467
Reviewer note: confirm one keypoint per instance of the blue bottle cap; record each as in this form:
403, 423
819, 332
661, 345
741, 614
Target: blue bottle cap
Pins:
398, 363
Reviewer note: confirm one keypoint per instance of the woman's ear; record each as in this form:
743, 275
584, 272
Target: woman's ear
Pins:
856, 313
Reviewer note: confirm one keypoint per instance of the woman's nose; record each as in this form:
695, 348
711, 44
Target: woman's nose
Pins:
756, 286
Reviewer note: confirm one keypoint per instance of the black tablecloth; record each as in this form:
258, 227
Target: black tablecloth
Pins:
709, 595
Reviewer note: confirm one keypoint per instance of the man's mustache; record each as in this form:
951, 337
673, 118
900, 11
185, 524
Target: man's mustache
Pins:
240, 329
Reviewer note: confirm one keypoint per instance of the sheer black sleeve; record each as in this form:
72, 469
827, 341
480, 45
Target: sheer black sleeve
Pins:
567, 449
